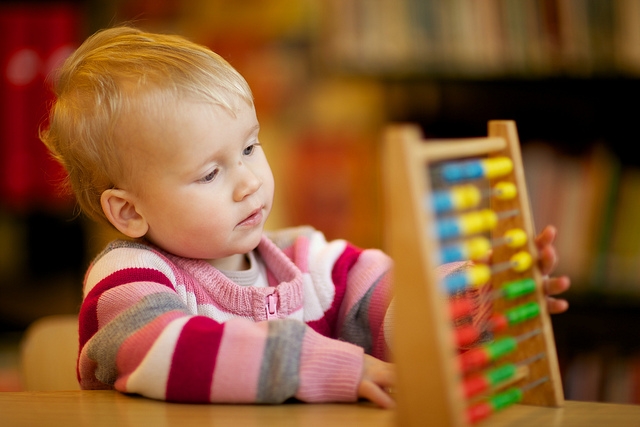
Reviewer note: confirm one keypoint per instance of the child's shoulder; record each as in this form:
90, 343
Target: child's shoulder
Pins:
127, 258
123, 244
130, 253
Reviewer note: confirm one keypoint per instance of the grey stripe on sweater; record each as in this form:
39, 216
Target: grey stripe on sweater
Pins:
279, 375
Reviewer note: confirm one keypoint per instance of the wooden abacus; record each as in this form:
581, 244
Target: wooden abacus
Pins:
436, 379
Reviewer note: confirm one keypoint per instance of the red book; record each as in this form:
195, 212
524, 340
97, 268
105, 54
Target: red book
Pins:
36, 39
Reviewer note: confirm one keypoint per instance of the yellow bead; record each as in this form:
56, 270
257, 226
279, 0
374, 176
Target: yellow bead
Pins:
490, 218
505, 190
476, 222
521, 261
465, 196
478, 275
478, 247
495, 167
516, 237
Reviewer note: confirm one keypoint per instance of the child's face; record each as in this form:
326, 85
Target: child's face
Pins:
201, 180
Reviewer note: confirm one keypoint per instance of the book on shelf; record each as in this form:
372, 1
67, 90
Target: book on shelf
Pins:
583, 377
579, 195
36, 38
623, 260
603, 374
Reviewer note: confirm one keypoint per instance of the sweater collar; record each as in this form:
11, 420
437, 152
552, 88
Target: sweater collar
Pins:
285, 280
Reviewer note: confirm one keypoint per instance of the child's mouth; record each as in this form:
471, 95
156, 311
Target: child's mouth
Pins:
253, 219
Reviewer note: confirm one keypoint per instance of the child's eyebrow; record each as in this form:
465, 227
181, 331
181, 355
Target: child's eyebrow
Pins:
254, 130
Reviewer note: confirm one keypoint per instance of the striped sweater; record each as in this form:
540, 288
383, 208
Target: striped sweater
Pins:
177, 329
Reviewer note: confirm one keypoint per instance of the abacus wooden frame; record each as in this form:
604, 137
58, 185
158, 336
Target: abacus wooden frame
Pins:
429, 390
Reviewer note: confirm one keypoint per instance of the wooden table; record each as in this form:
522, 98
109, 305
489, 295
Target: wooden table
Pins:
109, 408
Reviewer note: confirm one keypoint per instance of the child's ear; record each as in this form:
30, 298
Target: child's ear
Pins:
120, 210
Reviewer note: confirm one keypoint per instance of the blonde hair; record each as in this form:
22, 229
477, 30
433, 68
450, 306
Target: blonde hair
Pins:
107, 76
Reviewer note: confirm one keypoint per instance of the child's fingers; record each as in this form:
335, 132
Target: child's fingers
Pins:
556, 285
376, 394
548, 259
546, 237
557, 306
377, 378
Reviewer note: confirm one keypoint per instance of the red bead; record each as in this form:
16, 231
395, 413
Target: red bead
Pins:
478, 412
474, 385
473, 359
466, 334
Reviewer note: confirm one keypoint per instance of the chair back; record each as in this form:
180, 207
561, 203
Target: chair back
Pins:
48, 354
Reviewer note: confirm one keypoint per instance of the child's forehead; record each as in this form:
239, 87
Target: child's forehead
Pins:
150, 123
177, 116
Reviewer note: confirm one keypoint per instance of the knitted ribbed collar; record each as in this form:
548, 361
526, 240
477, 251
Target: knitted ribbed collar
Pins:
285, 280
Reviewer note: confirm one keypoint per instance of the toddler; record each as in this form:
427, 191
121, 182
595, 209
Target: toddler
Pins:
199, 304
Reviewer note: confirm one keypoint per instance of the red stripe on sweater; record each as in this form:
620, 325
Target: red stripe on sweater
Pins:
327, 324
88, 317
194, 360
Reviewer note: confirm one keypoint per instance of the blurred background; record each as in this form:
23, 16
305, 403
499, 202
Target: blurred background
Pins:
327, 76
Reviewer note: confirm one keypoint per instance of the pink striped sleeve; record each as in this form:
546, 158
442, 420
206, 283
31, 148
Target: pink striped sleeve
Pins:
239, 362
88, 319
330, 369
194, 361
378, 308
134, 349
116, 300
328, 324
368, 271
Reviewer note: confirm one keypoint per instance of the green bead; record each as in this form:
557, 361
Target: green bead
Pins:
509, 397
503, 373
519, 288
501, 347
522, 312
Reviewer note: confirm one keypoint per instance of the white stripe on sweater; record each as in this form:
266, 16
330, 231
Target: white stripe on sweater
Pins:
121, 258
151, 376
322, 258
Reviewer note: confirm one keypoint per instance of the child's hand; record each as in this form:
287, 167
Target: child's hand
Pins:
377, 378
548, 261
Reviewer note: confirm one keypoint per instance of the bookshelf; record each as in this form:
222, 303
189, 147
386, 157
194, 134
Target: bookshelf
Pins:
485, 38
566, 72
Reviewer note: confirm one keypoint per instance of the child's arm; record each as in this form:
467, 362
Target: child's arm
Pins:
352, 286
138, 336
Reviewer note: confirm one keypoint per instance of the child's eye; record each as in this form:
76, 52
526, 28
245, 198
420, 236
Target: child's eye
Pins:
210, 176
249, 149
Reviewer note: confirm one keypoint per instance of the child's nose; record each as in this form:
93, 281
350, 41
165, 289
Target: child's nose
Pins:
248, 182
